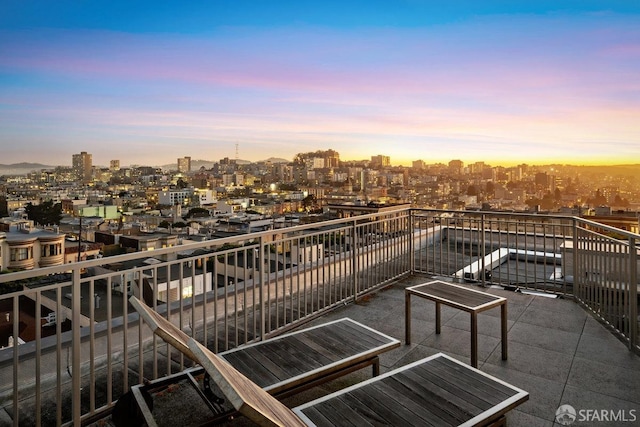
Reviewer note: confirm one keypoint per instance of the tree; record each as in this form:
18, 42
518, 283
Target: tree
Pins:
490, 188
182, 184
533, 202
46, 213
547, 202
197, 213
619, 201
309, 202
241, 192
598, 200
557, 195
287, 186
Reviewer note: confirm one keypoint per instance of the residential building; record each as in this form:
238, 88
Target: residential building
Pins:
203, 197
175, 196
456, 167
25, 247
418, 164
184, 164
82, 166
380, 161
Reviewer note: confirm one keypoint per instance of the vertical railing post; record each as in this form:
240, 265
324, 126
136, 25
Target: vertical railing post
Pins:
354, 260
15, 318
481, 252
412, 258
576, 277
75, 346
633, 294
261, 282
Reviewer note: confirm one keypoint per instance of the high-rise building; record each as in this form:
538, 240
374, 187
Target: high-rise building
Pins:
380, 161
184, 164
82, 167
114, 165
455, 166
542, 179
315, 163
477, 167
332, 159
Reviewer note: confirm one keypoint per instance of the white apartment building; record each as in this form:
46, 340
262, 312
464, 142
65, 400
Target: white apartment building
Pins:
187, 197
175, 196
315, 163
205, 196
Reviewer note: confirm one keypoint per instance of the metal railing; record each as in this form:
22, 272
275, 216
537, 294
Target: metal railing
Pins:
83, 346
595, 264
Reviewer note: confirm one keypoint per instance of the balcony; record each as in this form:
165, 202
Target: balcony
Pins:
571, 290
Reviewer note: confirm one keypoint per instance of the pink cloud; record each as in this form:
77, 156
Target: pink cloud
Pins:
533, 80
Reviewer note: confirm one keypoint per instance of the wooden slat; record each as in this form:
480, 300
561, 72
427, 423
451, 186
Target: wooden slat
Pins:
458, 295
472, 392
361, 336
379, 408
316, 352
323, 344
319, 418
436, 391
292, 361
333, 346
431, 397
339, 340
424, 401
262, 373
333, 412
245, 396
494, 391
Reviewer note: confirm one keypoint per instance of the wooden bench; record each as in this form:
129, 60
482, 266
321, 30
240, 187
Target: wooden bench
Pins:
464, 299
438, 390
282, 365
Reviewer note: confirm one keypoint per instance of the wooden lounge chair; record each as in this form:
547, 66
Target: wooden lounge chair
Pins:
438, 390
288, 363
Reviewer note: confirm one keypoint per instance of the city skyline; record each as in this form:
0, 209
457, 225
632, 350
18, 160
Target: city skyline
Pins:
550, 82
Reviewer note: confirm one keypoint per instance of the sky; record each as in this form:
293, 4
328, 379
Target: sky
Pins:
146, 82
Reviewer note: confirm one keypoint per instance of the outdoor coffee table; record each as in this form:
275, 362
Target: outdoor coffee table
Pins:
462, 298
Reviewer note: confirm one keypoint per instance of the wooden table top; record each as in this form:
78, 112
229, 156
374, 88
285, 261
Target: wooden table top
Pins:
456, 295
438, 390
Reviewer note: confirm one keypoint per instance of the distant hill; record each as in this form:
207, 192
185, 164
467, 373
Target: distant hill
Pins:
21, 168
276, 160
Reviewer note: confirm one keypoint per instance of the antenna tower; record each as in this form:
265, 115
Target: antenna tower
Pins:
236, 151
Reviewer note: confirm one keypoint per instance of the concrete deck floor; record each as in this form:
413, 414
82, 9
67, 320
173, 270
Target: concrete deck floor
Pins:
557, 352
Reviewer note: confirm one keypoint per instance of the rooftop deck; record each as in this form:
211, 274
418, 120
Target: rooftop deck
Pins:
346, 267
558, 353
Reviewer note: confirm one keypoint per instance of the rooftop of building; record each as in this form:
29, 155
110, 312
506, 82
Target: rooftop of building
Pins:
15, 229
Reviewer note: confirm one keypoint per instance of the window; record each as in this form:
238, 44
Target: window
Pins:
51, 250
21, 254
187, 292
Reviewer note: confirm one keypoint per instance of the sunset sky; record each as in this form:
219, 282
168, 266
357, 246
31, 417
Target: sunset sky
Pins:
146, 82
